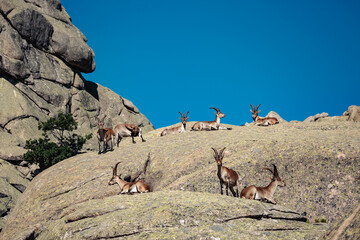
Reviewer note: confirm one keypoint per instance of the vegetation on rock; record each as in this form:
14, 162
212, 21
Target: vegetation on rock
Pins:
45, 152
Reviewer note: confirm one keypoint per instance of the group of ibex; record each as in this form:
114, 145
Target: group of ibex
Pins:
227, 176
231, 179
121, 130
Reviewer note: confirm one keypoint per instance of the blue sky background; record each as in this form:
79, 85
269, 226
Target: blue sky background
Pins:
297, 58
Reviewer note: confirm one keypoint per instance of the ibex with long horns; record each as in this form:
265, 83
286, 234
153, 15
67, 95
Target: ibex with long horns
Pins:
127, 130
264, 193
226, 175
178, 129
210, 125
104, 135
127, 187
262, 121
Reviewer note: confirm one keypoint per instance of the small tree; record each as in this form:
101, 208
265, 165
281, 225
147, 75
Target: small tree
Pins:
47, 153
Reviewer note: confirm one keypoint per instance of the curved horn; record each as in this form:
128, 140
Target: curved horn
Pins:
269, 170
276, 173
215, 152
115, 169
257, 107
253, 109
181, 115
103, 118
216, 109
186, 113
221, 153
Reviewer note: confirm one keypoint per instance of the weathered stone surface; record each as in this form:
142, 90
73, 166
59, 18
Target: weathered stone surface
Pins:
41, 56
319, 163
316, 117
12, 184
275, 115
353, 113
348, 228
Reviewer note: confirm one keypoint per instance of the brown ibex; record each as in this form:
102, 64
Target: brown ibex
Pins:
262, 121
127, 130
178, 129
104, 135
210, 125
226, 176
127, 187
264, 193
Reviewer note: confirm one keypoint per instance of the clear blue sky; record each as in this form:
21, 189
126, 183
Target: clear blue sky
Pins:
297, 58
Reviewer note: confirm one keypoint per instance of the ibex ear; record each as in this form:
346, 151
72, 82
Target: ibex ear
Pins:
259, 111
251, 111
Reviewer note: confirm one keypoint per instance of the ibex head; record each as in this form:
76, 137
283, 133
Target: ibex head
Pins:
218, 155
218, 112
184, 118
101, 122
115, 176
276, 176
255, 111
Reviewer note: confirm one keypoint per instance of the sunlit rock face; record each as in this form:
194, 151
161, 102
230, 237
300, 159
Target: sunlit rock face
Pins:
42, 55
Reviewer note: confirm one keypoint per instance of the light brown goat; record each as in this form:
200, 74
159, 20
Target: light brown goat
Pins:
127, 187
210, 125
104, 135
262, 121
226, 175
127, 130
264, 193
178, 129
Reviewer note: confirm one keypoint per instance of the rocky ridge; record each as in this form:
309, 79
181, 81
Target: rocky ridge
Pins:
319, 162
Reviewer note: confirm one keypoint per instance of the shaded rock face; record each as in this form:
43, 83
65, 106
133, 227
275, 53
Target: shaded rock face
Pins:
12, 184
42, 56
318, 161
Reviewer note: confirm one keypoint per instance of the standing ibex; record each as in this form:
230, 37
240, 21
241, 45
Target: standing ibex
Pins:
262, 121
264, 193
127, 130
178, 129
104, 135
210, 125
127, 187
226, 176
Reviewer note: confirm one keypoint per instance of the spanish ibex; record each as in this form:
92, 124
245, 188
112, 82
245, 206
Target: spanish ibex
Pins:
128, 187
262, 121
226, 175
104, 135
264, 193
178, 129
127, 130
210, 125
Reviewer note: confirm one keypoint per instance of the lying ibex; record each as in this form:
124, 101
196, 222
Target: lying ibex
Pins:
210, 125
262, 121
264, 193
178, 129
127, 130
226, 176
104, 135
127, 187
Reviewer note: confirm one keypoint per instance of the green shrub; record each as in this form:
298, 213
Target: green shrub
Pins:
46, 153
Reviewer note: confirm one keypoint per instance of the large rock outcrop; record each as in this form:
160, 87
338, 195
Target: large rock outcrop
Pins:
42, 56
319, 162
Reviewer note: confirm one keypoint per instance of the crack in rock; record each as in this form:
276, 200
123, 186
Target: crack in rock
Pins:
268, 216
71, 189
